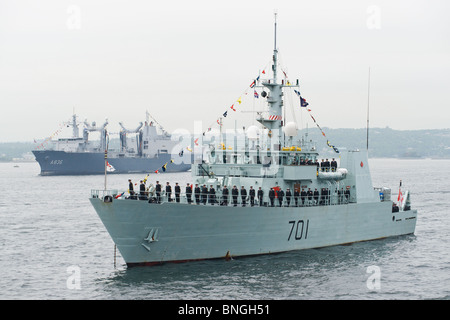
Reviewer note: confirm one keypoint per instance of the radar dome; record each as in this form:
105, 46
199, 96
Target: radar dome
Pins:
290, 129
252, 132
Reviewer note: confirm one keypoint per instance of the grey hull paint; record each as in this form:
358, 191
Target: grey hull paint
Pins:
148, 233
85, 163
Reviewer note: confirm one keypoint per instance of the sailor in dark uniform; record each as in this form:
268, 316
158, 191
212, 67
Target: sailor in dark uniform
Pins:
235, 194
252, 194
212, 195
224, 196
280, 194
130, 187
327, 165
288, 197
189, 193
271, 196
333, 165
158, 192
347, 195
169, 192
260, 196
177, 192
197, 194
322, 165
204, 194
296, 195
309, 194
243, 196
303, 196
142, 195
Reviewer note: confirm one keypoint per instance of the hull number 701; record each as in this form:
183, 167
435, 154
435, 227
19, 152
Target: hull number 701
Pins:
301, 229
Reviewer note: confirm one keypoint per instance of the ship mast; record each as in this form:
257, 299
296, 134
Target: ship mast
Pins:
275, 51
275, 120
74, 125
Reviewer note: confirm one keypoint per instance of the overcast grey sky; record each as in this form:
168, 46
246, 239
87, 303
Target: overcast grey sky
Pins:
187, 61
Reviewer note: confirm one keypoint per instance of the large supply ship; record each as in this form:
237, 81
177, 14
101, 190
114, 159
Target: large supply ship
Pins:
275, 193
145, 148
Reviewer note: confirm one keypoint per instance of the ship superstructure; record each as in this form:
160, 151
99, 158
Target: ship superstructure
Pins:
274, 194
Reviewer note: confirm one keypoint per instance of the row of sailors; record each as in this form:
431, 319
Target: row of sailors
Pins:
325, 165
203, 195
328, 166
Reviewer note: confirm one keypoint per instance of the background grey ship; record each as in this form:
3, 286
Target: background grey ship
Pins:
143, 149
275, 158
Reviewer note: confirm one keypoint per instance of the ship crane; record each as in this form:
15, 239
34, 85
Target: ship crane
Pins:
92, 128
123, 136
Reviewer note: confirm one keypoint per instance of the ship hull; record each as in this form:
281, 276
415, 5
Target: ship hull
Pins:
149, 234
86, 163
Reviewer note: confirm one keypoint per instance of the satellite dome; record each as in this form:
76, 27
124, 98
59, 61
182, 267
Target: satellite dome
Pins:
290, 129
252, 132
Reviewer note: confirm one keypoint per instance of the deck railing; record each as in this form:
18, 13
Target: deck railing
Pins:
230, 200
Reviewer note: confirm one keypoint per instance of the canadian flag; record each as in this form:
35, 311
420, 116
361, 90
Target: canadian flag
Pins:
109, 167
400, 195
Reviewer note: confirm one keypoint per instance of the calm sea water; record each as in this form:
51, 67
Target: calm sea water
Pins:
53, 246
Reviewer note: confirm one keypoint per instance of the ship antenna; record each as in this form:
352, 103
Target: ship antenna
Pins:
368, 100
275, 51
275, 120
106, 158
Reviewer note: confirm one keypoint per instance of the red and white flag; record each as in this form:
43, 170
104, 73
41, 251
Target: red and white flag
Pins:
109, 167
400, 195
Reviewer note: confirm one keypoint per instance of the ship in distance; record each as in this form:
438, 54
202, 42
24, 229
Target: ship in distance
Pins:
303, 204
145, 148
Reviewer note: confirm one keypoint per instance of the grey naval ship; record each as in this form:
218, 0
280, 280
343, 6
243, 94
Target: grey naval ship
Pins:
141, 149
303, 203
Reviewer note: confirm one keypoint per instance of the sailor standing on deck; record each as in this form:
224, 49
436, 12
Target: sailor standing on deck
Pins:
169, 192
260, 196
288, 197
303, 196
296, 195
327, 165
142, 190
271, 196
347, 195
252, 193
158, 192
204, 194
224, 196
280, 194
235, 193
212, 195
316, 196
130, 187
243, 195
333, 165
197, 194
189, 193
177, 192
309, 193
